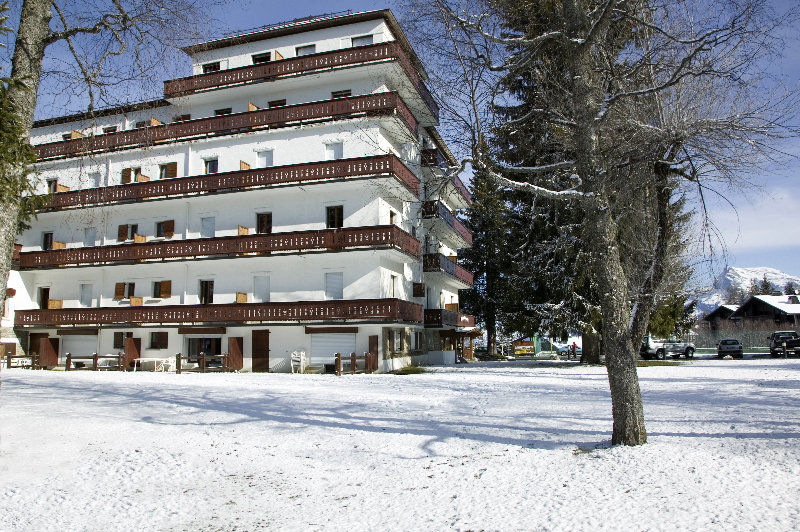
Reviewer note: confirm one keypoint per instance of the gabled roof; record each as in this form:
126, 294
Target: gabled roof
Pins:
780, 303
722, 310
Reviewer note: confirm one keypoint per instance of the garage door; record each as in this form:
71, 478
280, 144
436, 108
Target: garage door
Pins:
80, 345
325, 346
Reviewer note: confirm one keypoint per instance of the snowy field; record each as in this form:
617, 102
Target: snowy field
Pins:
506, 446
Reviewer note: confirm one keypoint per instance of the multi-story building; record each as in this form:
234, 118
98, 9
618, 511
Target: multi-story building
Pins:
286, 197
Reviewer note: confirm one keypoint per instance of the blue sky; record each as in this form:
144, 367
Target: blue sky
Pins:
762, 231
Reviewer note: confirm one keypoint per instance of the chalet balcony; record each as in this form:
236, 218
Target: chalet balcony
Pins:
295, 174
308, 64
365, 310
438, 263
452, 229
437, 318
432, 158
380, 104
350, 238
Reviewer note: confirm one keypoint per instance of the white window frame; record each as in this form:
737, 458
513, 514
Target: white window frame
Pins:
329, 295
81, 294
265, 157
330, 149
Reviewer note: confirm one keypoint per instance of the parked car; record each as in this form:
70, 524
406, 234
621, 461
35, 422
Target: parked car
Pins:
730, 346
654, 348
566, 350
779, 339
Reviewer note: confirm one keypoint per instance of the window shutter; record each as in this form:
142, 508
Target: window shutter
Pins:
169, 228
166, 289
122, 233
119, 291
162, 339
119, 338
172, 170
126, 175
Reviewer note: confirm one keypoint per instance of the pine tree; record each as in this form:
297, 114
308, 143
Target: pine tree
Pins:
790, 289
765, 287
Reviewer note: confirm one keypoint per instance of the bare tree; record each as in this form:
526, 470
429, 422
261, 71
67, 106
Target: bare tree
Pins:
641, 103
110, 42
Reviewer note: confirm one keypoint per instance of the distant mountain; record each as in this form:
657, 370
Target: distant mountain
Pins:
740, 278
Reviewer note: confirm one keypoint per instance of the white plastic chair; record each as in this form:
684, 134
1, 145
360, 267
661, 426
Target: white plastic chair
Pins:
298, 360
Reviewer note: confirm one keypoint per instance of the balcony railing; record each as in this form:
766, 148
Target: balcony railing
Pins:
438, 318
432, 157
240, 179
390, 51
436, 262
296, 241
387, 310
436, 209
340, 108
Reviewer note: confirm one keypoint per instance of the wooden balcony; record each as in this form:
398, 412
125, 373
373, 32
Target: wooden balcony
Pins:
436, 262
240, 179
373, 310
308, 64
381, 104
350, 238
439, 318
436, 209
432, 157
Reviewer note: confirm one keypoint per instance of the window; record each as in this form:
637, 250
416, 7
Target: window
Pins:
334, 285
119, 339
47, 241
398, 340
223, 111
206, 292
261, 289
334, 216
44, 296
89, 236
392, 217
181, 118
334, 151
341, 94
211, 67
130, 174
168, 171
66, 136
416, 340
212, 166
86, 295
133, 230
207, 227
159, 340
142, 123
162, 289
165, 229
276, 103
266, 158
109, 129
395, 288
130, 290
362, 40
262, 58
264, 223
52, 186
305, 50
95, 179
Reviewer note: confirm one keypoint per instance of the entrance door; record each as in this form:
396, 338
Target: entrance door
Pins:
260, 350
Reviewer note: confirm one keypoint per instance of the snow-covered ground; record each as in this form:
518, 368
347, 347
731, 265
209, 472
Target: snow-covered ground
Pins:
505, 446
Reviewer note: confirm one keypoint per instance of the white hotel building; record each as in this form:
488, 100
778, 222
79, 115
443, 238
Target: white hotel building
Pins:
286, 197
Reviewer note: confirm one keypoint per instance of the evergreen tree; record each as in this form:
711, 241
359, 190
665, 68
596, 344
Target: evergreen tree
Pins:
790, 288
765, 288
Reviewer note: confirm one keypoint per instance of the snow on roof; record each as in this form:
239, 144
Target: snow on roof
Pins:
781, 303
732, 308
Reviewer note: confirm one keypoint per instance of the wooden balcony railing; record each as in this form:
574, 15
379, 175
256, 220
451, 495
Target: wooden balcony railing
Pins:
340, 108
332, 239
432, 157
436, 209
389, 51
240, 179
387, 310
436, 262
435, 317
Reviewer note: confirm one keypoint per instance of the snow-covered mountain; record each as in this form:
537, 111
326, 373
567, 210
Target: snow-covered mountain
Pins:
740, 278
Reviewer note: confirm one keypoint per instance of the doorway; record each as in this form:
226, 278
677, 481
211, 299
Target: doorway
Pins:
212, 347
260, 350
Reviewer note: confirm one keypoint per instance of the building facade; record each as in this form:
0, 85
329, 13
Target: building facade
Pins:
287, 197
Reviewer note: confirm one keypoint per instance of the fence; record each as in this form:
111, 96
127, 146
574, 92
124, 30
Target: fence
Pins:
9, 354
95, 358
208, 363
370, 362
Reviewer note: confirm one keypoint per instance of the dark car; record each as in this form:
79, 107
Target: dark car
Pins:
781, 341
730, 346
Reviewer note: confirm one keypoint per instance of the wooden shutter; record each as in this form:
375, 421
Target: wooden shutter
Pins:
243, 165
162, 340
119, 338
126, 175
166, 289
155, 121
172, 170
122, 233
119, 291
169, 228
235, 350
278, 55
251, 106
133, 347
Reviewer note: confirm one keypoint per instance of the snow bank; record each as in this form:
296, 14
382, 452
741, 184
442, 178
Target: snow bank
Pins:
505, 446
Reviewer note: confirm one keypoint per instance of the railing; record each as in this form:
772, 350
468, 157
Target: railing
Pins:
380, 103
435, 262
262, 177
302, 65
390, 310
434, 209
435, 317
345, 238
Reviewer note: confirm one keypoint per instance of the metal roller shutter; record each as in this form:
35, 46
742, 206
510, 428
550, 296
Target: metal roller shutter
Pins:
325, 346
80, 345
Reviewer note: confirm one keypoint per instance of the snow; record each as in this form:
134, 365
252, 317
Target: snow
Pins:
740, 278
495, 446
